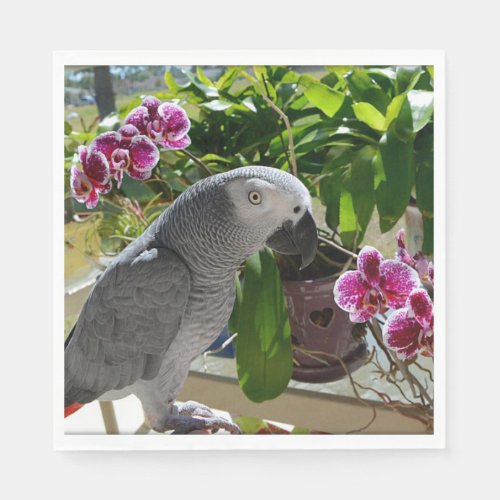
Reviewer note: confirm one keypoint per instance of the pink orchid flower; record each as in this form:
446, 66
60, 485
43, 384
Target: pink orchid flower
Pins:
165, 123
410, 330
95, 178
127, 151
424, 268
375, 287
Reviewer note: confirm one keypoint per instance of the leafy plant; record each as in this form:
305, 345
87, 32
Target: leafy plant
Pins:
363, 137
264, 348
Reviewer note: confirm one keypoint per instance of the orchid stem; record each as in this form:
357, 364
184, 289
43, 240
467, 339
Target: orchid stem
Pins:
197, 161
338, 247
409, 377
286, 121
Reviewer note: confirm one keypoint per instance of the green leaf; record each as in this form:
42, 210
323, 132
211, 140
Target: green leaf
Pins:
300, 430
263, 83
172, 85
369, 114
331, 79
407, 77
365, 89
67, 128
208, 90
248, 103
250, 425
323, 97
393, 193
216, 158
134, 189
399, 113
424, 187
330, 188
264, 348
378, 169
110, 122
217, 105
428, 245
360, 183
403, 125
357, 199
227, 79
203, 78
422, 107
393, 110
290, 77
348, 219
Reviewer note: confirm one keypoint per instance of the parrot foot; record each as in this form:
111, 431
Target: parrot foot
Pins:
194, 416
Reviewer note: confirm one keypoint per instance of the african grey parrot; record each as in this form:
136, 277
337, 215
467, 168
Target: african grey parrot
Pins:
168, 295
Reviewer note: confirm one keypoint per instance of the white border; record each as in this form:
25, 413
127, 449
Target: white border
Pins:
247, 57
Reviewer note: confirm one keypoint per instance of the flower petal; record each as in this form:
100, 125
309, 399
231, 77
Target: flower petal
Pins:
422, 266
138, 174
421, 305
175, 120
93, 199
139, 118
144, 155
105, 188
80, 185
151, 103
431, 273
82, 154
369, 260
96, 167
349, 291
127, 132
361, 315
105, 143
397, 281
401, 334
118, 175
402, 254
182, 143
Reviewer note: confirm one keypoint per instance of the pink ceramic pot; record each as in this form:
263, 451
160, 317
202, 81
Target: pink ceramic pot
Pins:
319, 325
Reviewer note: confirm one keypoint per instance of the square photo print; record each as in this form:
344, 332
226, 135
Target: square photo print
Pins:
249, 251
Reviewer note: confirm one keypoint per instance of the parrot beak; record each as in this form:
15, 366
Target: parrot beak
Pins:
299, 239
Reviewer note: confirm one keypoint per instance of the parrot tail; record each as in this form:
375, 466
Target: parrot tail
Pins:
69, 410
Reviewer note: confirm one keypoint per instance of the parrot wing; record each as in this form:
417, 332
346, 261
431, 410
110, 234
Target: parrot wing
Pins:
127, 324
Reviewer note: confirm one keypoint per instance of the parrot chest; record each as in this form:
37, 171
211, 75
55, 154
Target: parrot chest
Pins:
206, 314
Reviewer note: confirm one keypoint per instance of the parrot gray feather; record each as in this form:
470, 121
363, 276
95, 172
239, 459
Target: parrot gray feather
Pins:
125, 328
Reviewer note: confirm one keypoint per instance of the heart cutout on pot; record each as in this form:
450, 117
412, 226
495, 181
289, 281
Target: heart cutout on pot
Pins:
322, 318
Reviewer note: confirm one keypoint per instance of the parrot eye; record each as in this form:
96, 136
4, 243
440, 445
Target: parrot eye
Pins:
254, 197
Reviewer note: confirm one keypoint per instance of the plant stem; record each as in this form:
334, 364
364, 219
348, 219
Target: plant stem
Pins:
286, 121
197, 161
311, 353
338, 247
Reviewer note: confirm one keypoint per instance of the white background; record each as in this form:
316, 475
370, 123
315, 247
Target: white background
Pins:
467, 32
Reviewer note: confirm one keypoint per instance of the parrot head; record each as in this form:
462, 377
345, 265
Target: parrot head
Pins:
221, 220
277, 206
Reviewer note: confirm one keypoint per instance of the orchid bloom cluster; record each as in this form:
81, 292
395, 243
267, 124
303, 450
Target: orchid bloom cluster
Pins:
133, 149
394, 285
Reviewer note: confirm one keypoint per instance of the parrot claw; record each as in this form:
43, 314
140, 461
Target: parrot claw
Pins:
194, 416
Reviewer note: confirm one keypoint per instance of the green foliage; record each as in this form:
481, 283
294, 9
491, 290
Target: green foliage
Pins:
122, 223
337, 117
264, 349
